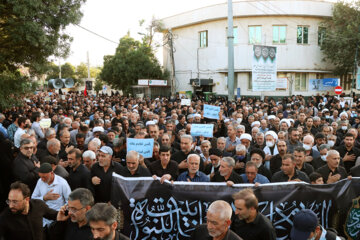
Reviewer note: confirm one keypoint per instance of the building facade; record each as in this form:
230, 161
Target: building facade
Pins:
292, 26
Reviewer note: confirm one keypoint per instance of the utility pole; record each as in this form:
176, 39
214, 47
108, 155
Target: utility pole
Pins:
172, 77
88, 65
230, 38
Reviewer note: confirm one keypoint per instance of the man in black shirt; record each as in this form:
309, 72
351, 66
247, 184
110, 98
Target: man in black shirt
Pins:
276, 161
218, 222
227, 173
79, 175
101, 174
332, 172
186, 142
213, 167
289, 172
249, 223
71, 220
348, 152
164, 168
355, 171
23, 219
301, 165
133, 167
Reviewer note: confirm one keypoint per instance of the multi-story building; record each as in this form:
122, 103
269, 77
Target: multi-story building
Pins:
293, 26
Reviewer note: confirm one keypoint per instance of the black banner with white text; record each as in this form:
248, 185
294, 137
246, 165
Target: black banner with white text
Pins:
172, 211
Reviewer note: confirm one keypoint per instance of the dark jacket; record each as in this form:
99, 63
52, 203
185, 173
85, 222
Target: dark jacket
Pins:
23, 227
25, 171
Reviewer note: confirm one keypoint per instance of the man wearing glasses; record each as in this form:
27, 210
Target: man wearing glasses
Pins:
26, 165
23, 219
71, 219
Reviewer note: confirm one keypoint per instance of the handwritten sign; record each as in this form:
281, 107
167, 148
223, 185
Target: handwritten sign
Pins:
45, 122
185, 102
142, 146
211, 112
205, 130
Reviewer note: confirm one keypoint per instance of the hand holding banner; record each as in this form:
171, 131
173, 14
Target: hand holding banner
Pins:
142, 146
211, 112
205, 130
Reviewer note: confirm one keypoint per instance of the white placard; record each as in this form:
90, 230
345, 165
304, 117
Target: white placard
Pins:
264, 75
154, 82
185, 102
45, 122
143, 82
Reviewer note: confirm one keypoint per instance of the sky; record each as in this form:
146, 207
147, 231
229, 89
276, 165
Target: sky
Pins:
112, 19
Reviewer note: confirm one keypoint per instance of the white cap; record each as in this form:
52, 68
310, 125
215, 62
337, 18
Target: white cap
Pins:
98, 129
150, 123
245, 136
255, 123
272, 133
343, 113
271, 117
325, 110
286, 121
226, 120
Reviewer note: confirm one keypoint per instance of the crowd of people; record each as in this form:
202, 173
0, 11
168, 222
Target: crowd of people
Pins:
64, 171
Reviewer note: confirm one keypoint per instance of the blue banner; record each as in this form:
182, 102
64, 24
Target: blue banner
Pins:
331, 82
205, 130
142, 146
211, 112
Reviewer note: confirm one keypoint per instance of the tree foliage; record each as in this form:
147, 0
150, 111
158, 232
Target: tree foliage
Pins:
133, 60
30, 32
342, 36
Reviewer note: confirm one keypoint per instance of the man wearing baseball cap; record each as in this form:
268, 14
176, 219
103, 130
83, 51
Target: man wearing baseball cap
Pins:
306, 227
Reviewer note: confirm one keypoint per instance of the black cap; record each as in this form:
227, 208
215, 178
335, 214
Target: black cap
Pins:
216, 152
45, 168
258, 151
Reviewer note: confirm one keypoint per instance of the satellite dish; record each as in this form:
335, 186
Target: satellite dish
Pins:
68, 82
55, 83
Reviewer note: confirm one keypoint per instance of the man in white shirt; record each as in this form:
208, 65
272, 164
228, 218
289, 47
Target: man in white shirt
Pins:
52, 189
24, 124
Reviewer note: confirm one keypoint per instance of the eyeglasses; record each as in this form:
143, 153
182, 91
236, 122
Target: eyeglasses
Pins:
15, 202
73, 210
28, 148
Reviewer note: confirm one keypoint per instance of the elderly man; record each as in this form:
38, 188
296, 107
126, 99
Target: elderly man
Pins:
257, 156
52, 149
89, 158
25, 212
133, 166
51, 188
220, 144
71, 222
103, 221
245, 140
310, 153
164, 168
66, 146
205, 147
251, 174
321, 160
218, 218
250, 223
101, 174
270, 149
193, 174
332, 172
231, 140
213, 167
26, 166
50, 133
186, 144
289, 172
226, 172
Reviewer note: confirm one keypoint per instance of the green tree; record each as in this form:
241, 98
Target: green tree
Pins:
133, 60
98, 86
148, 35
82, 71
30, 32
342, 36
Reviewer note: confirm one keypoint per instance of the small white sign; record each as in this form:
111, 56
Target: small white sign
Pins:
143, 82
185, 102
45, 122
154, 82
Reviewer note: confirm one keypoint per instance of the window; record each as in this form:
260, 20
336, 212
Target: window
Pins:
235, 34
300, 81
302, 34
279, 34
203, 39
321, 35
254, 34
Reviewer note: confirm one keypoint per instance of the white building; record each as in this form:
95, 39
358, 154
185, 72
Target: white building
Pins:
293, 26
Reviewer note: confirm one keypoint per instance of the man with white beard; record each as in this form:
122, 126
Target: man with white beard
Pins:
218, 222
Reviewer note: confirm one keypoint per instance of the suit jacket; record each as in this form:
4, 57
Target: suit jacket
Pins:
201, 233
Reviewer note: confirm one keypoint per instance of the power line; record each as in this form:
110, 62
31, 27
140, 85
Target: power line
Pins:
96, 34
